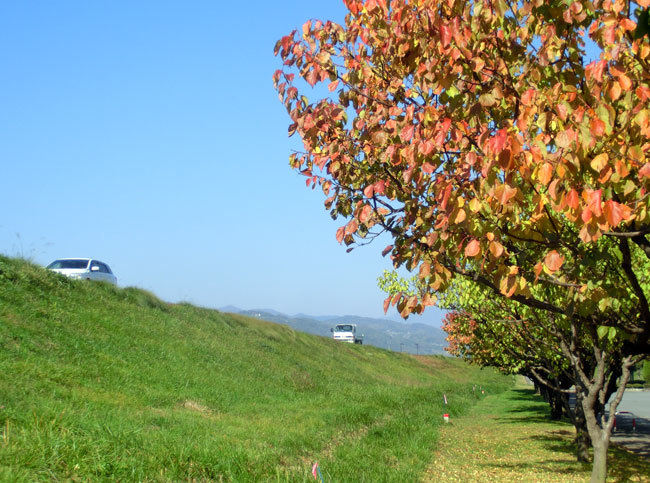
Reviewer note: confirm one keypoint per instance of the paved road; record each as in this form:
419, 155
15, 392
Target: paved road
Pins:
633, 422
637, 402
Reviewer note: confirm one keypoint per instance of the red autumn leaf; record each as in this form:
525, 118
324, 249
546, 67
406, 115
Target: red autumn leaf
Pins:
407, 132
615, 212
340, 233
594, 199
426, 147
504, 193
445, 35
445, 198
387, 303
645, 171
498, 141
351, 227
595, 70
473, 248
528, 96
553, 261
312, 77
428, 168
572, 199
366, 213
597, 127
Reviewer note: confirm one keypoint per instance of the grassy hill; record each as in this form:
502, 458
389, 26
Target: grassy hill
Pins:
103, 383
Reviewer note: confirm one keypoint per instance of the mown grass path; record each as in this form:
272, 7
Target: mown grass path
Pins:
509, 438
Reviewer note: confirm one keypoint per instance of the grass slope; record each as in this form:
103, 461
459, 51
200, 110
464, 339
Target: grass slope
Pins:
103, 383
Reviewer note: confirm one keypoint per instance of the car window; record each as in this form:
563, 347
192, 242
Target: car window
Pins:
95, 263
107, 269
103, 268
77, 264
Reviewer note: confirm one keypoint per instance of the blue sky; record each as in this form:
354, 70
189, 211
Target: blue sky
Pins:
149, 135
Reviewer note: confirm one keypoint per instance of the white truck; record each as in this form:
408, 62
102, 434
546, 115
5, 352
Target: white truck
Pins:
347, 333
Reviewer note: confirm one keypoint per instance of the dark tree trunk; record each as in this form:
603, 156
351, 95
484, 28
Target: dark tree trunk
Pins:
583, 440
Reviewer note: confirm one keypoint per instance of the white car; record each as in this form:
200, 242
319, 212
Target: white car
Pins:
83, 269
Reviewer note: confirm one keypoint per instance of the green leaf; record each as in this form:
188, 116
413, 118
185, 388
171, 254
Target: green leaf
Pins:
602, 331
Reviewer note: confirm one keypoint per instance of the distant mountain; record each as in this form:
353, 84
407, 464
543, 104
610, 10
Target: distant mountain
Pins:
385, 333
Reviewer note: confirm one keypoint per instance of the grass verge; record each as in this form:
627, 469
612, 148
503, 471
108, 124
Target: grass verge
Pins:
100, 383
509, 437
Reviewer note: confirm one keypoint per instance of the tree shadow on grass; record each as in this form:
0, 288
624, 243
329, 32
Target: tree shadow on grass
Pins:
558, 442
625, 466
522, 394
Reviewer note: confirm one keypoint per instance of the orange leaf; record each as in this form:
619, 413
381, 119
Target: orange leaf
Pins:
553, 260
615, 212
472, 249
340, 233
504, 193
545, 173
599, 162
628, 24
597, 127
645, 171
626, 83
614, 91
572, 199
496, 249
538, 270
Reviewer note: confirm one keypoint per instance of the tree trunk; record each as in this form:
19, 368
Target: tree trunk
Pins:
583, 441
556, 406
599, 468
600, 436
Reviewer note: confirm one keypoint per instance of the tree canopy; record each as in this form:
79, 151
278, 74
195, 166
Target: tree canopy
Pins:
503, 142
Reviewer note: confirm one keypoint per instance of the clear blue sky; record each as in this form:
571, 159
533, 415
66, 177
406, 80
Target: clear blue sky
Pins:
149, 135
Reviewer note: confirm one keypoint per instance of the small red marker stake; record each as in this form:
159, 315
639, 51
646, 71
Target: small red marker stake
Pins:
445, 417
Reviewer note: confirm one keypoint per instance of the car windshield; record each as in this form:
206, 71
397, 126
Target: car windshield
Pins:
343, 328
75, 264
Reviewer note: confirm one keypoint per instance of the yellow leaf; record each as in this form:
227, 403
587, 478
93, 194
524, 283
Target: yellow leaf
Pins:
599, 162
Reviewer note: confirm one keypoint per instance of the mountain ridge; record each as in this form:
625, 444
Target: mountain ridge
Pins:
386, 333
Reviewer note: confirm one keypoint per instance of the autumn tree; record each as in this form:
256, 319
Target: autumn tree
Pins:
504, 142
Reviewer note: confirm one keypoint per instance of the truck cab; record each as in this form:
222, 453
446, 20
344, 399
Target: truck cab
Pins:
347, 333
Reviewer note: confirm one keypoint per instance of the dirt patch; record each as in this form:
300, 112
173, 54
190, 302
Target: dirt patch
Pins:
198, 407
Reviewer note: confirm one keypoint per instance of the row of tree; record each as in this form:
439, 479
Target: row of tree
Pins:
503, 145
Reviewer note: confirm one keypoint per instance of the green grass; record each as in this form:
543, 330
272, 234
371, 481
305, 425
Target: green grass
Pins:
508, 437
103, 383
